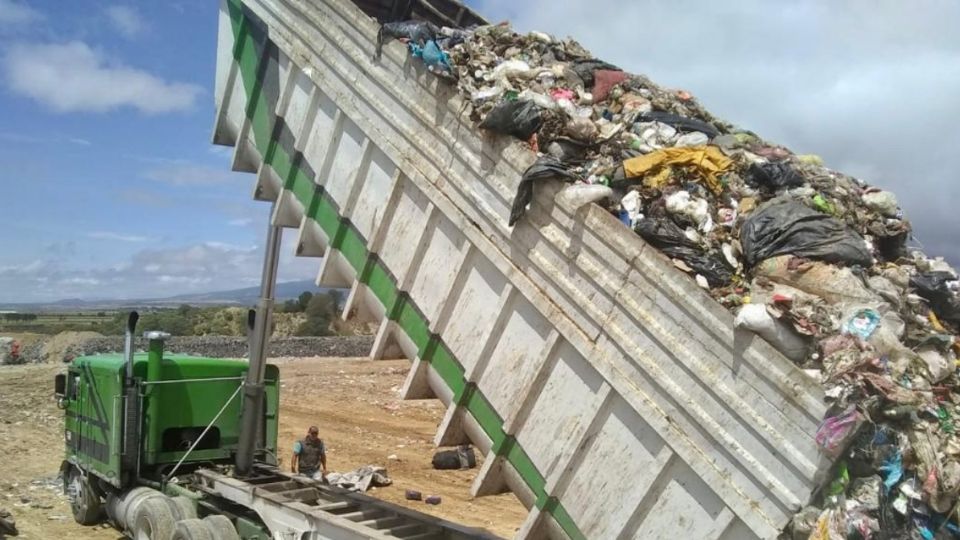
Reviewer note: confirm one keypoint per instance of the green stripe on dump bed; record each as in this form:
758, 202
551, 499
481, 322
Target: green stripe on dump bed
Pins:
372, 272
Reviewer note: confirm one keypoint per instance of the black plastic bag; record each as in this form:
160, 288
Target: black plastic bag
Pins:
520, 118
666, 236
585, 68
681, 123
773, 176
543, 168
662, 234
783, 226
889, 238
462, 458
933, 287
451, 37
418, 32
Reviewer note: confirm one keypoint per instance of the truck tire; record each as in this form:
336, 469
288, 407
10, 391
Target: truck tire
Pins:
84, 501
221, 527
154, 520
123, 508
192, 529
183, 507
113, 501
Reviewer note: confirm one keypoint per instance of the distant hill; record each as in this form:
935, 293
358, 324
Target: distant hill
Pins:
247, 296
234, 297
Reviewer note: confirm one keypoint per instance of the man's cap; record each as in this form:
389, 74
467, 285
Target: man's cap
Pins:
313, 430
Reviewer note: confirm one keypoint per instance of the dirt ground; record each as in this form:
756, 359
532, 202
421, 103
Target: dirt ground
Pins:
355, 403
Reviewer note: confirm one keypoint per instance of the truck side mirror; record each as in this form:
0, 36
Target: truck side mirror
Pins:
60, 385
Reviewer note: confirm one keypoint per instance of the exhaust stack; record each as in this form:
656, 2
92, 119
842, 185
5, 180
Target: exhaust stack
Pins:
131, 403
128, 345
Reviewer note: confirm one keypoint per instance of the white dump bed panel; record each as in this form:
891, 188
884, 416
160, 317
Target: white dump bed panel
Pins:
610, 393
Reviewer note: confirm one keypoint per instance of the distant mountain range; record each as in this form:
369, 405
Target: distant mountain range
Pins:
235, 297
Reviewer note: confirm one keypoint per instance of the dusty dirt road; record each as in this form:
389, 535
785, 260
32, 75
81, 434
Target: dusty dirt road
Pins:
354, 402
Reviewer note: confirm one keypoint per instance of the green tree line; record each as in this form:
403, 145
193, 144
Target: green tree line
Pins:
16, 317
318, 310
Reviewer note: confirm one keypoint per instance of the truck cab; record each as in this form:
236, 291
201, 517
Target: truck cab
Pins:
153, 442
141, 419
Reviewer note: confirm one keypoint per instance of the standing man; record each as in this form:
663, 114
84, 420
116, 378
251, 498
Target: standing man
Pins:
309, 454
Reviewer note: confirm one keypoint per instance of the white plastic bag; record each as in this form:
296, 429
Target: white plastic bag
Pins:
881, 201
541, 100
698, 210
577, 195
631, 203
694, 138
754, 317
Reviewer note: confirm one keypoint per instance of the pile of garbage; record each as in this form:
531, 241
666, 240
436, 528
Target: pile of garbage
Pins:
10, 351
813, 260
359, 480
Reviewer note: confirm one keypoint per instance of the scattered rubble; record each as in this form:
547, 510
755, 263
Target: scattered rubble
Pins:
8, 526
361, 479
813, 260
66, 346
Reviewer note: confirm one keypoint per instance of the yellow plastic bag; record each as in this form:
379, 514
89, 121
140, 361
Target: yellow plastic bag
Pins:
709, 162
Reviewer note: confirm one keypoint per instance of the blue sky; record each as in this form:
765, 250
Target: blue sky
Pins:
107, 166
110, 186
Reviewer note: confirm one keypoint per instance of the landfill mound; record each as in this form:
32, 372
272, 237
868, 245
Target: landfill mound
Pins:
813, 260
62, 347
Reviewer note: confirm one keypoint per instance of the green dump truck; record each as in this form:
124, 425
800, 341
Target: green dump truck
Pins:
155, 444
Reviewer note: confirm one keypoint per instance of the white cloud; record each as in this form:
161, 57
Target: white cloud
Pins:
24, 269
20, 138
184, 280
126, 20
242, 222
80, 281
15, 13
151, 272
229, 247
221, 151
120, 237
191, 175
72, 77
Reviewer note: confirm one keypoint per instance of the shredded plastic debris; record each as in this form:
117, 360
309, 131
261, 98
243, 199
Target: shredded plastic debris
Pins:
814, 261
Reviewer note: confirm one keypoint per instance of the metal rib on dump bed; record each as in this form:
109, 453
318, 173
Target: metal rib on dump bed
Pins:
292, 505
610, 393
439, 12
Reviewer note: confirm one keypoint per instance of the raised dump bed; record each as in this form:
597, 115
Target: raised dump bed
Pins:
609, 392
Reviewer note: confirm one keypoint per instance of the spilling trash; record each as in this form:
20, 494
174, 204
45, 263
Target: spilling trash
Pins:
814, 261
361, 479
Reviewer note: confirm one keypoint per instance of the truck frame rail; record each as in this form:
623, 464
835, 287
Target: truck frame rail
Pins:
298, 508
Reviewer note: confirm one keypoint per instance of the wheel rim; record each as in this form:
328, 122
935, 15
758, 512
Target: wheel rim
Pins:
75, 492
